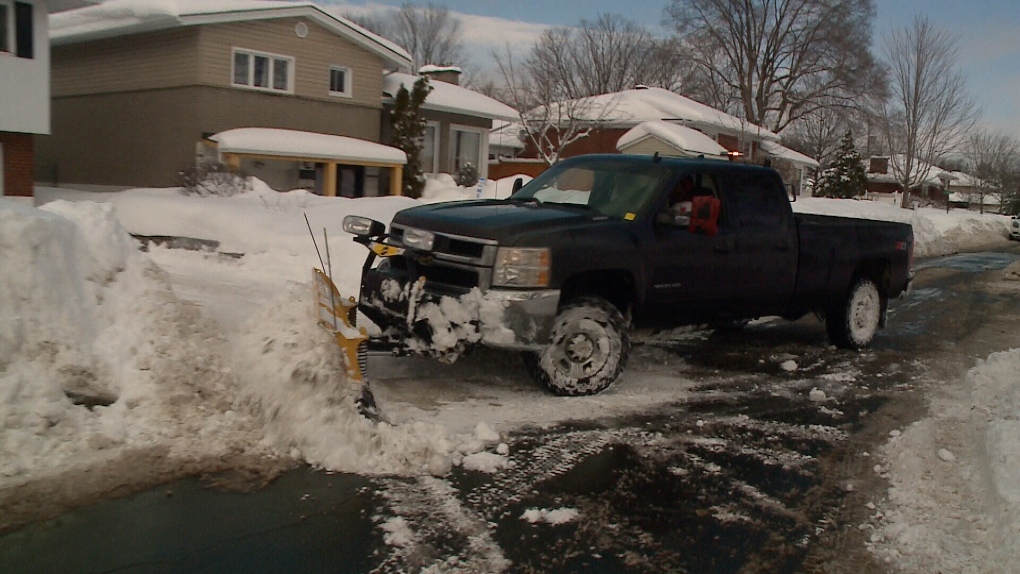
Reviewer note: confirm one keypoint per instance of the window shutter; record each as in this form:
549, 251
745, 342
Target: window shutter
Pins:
23, 30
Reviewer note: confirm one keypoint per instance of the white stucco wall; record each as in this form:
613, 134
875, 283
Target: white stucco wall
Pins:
25, 83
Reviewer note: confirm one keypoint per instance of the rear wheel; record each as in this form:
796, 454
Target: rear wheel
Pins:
853, 324
588, 348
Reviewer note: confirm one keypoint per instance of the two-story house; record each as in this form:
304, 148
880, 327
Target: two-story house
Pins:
24, 90
141, 90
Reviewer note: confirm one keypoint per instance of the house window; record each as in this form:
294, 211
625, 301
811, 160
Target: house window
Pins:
16, 29
262, 71
465, 148
6, 26
430, 148
339, 81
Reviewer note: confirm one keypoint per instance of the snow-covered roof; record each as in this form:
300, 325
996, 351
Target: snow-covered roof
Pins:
446, 97
506, 134
928, 174
631, 107
686, 139
777, 150
123, 17
932, 175
434, 69
297, 144
988, 198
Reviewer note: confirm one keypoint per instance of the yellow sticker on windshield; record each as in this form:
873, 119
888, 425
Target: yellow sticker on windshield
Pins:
629, 217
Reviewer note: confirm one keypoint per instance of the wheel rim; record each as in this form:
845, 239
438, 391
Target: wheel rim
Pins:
865, 312
583, 350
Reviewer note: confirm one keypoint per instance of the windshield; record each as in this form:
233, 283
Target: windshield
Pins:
616, 189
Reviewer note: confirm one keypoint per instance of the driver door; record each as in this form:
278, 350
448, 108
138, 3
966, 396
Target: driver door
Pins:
694, 275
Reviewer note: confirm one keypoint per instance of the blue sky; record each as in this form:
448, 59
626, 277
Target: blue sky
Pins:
988, 33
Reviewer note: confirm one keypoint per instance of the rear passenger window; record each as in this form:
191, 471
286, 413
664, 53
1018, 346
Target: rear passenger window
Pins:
757, 202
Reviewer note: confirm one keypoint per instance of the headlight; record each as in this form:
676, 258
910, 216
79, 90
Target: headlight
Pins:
521, 267
418, 239
357, 225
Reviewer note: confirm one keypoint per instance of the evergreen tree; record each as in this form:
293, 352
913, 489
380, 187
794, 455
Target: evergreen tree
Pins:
846, 177
409, 132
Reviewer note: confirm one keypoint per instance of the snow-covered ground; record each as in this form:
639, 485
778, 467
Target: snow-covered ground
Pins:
208, 352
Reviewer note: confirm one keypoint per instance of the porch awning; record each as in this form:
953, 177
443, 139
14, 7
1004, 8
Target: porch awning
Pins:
306, 146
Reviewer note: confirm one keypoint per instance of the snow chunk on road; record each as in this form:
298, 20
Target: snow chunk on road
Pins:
485, 462
789, 366
817, 395
397, 532
553, 516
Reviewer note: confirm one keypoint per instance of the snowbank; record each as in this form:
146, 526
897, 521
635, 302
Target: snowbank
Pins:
97, 355
954, 500
86, 318
935, 231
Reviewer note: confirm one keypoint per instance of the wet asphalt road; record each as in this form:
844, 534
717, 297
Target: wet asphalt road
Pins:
747, 475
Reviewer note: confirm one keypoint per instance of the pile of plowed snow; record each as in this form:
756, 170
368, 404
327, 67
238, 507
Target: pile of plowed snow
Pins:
97, 355
954, 498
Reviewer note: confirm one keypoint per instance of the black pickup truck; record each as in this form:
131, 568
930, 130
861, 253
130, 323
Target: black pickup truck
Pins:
597, 246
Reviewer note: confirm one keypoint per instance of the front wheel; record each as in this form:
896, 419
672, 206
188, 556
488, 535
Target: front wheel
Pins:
588, 348
853, 324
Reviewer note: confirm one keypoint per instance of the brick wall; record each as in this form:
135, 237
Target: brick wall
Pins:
18, 163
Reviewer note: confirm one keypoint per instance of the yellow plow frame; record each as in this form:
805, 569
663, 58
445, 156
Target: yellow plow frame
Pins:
338, 315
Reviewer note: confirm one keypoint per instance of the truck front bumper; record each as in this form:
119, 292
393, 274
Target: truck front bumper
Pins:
503, 318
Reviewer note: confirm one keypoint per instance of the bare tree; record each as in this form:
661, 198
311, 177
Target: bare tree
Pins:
780, 60
551, 117
992, 159
931, 111
429, 33
605, 55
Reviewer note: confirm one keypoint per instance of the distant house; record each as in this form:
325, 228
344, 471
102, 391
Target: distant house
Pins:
142, 88
663, 138
610, 116
795, 166
24, 91
458, 120
883, 182
972, 193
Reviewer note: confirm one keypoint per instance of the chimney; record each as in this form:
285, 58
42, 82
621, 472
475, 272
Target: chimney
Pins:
448, 74
879, 165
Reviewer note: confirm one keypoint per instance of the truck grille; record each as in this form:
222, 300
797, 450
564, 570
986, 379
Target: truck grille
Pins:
456, 248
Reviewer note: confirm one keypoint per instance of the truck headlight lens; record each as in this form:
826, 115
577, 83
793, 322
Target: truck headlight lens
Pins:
521, 267
357, 225
418, 239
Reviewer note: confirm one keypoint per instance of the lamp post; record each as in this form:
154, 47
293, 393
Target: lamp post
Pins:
946, 178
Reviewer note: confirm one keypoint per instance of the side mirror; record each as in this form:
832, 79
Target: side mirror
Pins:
518, 184
363, 226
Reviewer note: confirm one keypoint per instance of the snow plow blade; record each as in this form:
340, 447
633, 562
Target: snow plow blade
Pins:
338, 315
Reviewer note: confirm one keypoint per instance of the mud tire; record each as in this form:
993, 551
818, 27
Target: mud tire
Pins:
589, 346
852, 324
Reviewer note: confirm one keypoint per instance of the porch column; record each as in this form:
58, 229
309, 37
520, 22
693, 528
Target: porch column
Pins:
233, 162
397, 180
329, 180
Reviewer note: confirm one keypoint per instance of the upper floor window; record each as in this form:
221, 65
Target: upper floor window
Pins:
263, 71
16, 29
339, 81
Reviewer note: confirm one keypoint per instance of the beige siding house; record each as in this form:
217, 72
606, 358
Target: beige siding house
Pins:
137, 98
